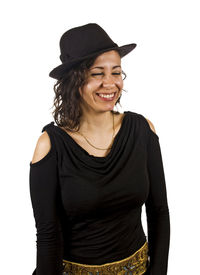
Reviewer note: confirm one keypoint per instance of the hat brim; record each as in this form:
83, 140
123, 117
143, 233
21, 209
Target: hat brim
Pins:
60, 70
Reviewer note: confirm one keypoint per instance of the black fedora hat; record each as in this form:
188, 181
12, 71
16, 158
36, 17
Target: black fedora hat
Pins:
80, 43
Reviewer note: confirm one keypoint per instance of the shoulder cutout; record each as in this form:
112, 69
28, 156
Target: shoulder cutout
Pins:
151, 125
42, 148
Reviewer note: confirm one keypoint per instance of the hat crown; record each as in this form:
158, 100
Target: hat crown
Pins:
84, 40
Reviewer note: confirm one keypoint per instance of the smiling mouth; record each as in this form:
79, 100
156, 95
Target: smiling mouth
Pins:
106, 96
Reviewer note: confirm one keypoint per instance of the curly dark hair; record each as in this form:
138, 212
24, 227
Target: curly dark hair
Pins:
67, 112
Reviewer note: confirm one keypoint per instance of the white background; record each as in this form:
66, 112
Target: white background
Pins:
162, 84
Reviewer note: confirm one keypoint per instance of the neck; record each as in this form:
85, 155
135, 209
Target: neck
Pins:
96, 122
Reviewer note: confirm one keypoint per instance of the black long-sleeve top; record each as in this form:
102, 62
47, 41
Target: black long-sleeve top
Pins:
87, 209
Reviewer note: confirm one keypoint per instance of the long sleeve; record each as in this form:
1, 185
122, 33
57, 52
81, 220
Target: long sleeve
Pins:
44, 191
158, 220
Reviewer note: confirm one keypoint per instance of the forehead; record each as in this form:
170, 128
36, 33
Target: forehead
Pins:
109, 57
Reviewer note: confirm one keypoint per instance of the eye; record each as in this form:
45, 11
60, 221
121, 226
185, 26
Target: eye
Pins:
97, 74
102, 74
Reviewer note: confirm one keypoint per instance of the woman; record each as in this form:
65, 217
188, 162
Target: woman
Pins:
91, 173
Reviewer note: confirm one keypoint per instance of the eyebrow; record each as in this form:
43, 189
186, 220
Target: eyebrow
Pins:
103, 67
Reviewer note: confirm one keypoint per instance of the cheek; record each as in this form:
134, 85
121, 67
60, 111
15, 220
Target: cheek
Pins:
119, 83
88, 88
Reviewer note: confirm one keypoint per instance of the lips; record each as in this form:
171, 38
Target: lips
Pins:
103, 96
107, 93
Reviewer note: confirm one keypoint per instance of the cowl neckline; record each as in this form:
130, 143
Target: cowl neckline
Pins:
119, 142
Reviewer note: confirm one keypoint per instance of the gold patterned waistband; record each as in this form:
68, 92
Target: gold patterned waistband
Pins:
135, 264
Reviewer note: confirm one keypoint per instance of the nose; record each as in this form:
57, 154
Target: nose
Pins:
108, 81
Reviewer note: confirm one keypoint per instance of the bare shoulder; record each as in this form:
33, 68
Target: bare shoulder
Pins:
43, 146
151, 125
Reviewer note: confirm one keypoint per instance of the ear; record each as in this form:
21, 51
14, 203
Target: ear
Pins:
80, 91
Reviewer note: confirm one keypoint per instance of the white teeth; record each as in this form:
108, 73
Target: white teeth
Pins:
106, 96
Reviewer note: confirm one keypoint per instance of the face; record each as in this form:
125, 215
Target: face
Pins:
103, 84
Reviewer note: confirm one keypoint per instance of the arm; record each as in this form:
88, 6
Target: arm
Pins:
44, 192
157, 208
